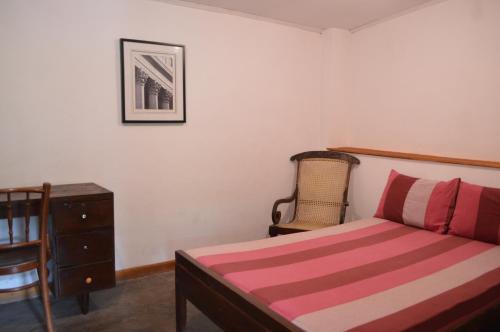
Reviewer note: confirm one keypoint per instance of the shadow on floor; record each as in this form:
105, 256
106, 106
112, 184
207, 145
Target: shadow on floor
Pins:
146, 304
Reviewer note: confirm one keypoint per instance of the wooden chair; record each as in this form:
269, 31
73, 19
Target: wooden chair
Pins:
18, 256
320, 194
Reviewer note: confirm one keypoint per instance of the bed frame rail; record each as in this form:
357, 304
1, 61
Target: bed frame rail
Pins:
227, 306
234, 310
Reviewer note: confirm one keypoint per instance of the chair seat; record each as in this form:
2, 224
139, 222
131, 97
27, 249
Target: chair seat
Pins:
20, 257
301, 225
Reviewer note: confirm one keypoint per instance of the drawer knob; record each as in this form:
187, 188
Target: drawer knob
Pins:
88, 280
85, 247
84, 216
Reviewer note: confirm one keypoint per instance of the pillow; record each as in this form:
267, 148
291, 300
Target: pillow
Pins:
477, 215
418, 202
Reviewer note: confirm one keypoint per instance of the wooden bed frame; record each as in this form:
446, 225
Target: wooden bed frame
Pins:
227, 306
233, 310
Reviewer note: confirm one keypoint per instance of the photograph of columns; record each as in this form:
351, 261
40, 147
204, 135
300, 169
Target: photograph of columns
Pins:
153, 83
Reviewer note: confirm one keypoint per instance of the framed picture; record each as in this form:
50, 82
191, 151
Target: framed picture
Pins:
153, 82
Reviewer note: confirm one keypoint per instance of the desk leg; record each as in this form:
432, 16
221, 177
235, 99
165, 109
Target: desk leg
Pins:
83, 300
180, 309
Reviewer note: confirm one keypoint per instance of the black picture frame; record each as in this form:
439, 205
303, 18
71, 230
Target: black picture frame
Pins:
167, 78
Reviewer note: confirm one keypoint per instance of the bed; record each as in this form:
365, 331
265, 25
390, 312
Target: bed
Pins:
366, 275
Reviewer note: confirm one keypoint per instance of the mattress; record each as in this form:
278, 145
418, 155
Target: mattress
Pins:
367, 275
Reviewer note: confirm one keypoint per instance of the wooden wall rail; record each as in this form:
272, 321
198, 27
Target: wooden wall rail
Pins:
415, 156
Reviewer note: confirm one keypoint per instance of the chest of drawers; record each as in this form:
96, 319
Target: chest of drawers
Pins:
82, 240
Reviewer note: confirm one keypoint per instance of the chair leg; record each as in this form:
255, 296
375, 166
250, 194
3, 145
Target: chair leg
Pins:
272, 231
44, 289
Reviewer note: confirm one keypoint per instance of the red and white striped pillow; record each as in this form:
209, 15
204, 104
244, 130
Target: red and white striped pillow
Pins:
416, 202
477, 214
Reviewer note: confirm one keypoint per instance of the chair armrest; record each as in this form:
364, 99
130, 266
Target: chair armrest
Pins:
276, 215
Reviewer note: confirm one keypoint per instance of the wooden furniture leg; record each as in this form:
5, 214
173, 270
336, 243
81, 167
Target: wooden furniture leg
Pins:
44, 289
83, 300
180, 310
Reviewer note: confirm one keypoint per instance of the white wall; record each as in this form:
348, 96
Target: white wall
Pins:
425, 82
257, 92
336, 96
253, 97
429, 81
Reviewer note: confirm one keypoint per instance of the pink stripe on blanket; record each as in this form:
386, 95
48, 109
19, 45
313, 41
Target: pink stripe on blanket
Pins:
297, 246
301, 305
253, 279
313, 253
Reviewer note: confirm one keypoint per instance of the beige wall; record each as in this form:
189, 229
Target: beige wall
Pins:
253, 95
425, 82
429, 81
257, 92
336, 98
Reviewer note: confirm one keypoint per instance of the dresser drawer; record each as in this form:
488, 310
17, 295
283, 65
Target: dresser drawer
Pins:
86, 278
85, 248
77, 216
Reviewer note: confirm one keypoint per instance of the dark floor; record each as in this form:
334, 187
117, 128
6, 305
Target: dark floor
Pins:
146, 304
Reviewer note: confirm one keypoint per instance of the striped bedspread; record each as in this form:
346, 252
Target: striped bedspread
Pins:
367, 275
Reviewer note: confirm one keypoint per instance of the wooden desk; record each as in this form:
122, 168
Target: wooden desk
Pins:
81, 232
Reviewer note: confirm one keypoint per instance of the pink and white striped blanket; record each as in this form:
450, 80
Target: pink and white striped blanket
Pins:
367, 275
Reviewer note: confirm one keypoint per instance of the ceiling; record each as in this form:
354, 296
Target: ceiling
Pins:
318, 14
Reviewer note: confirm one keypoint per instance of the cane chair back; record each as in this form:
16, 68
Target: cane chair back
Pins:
321, 192
321, 185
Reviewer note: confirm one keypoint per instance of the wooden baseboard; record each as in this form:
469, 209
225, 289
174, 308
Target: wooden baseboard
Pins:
145, 270
126, 274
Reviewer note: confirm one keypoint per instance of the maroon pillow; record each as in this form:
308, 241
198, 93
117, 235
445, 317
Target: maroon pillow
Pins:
477, 214
421, 203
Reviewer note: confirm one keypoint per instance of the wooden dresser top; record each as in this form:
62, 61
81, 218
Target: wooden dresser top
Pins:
70, 192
